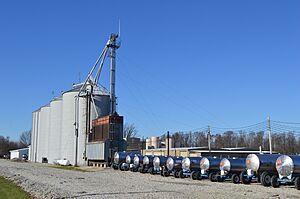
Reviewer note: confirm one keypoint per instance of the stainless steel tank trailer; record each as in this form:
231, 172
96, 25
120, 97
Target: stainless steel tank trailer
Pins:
288, 171
231, 169
129, 161
120, 160
158, 164
137, 163
190, 167
260, 167
209, 166
147, 165
173, 166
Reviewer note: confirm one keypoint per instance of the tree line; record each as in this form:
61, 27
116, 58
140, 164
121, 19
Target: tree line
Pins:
6, 144
285, 143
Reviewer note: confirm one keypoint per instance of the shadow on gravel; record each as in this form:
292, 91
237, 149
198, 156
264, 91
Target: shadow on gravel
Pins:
121, 193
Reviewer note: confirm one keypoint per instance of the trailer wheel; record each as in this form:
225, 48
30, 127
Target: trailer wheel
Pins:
274, 181
213, 177
194, 175
162, 171
235, 178
245, 180
265, 179
151, 170
166, 173
181, 174
121, 167
176, 174
199, 177
297, 183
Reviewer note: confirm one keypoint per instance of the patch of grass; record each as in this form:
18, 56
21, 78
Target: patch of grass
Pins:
67, 168
10, 190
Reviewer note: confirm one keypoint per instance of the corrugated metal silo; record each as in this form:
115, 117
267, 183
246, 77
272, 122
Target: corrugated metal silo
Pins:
54, 144
43, 131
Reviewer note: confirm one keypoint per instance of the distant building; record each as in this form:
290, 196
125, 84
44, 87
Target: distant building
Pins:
18, 153
204, 151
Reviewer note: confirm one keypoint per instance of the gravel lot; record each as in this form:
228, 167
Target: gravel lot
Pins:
44, 182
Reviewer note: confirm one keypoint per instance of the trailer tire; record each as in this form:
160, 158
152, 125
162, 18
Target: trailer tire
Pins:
151, 171
274, 181
181, 174
213, 177
166, 173
265, 179
162, 171
297, 183
176, 174
245, 180
235, 178
194, 175
121, 167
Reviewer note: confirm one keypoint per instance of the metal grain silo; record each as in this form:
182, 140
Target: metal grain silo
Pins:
36, 134
67, 126
33, 136
54, 130
99, 107
43, 133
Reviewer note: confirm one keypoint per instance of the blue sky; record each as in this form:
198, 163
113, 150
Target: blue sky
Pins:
182, 64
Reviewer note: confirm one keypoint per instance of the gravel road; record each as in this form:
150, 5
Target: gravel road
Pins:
44, 182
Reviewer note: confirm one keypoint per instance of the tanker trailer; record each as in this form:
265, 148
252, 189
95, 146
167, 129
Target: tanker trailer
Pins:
120, 160
147, 165
129, 161
209, 166
173, 166
158, 164
137, 163
231, 169
288, 168
190, 167
260, 167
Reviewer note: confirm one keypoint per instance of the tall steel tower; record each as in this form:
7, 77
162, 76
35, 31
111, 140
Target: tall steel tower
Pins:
112, 44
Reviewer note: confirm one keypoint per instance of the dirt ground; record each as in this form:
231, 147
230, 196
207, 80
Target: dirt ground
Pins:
44, 182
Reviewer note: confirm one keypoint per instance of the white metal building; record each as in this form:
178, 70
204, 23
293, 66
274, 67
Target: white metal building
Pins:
18, 153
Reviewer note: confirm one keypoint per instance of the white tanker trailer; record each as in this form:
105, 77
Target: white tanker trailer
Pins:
288, 168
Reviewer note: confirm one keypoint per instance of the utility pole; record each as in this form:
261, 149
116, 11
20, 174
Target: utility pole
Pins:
168, 140
270, 137
209, 140
142, 145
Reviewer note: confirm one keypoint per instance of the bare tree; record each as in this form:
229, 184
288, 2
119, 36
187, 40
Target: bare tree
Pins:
129, 131
25, 138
